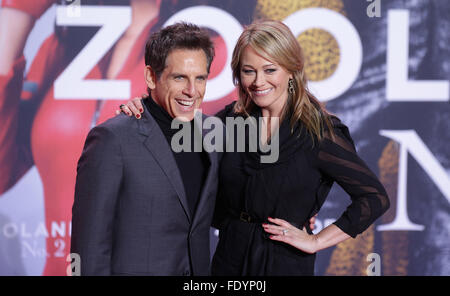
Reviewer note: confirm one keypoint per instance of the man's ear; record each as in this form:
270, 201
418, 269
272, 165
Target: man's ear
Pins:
150, 77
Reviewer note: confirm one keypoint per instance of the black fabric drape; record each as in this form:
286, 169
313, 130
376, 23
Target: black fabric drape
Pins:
293, 188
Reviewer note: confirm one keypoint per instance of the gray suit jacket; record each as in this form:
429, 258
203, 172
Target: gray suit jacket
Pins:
130, 214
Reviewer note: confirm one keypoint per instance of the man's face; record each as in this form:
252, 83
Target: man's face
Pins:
182, 84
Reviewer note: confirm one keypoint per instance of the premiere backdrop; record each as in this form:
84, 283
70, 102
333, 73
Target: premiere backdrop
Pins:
383, 66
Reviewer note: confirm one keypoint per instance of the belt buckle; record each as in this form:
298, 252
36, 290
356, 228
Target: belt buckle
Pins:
245, 217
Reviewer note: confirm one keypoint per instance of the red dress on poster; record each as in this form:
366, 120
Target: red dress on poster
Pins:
59, 129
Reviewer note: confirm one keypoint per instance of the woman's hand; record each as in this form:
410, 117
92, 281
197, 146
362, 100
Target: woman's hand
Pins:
312, 222
133, 107
285, 232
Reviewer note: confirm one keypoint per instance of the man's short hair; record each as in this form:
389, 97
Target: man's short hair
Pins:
177, 36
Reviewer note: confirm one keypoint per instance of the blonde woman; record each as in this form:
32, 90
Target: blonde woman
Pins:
315, 150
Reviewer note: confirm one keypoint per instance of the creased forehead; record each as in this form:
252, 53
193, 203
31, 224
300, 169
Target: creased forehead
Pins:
187, 59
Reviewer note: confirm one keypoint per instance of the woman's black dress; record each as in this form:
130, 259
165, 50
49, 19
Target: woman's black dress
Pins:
293, 188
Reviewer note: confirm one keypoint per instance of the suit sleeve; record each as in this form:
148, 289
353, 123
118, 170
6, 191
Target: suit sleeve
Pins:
337, 158
99, 175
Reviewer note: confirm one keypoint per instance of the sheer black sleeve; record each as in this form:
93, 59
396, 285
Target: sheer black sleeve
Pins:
338, 160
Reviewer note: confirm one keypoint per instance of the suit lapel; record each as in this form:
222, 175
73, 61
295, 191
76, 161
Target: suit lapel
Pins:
154, 140
208, 179
205, 189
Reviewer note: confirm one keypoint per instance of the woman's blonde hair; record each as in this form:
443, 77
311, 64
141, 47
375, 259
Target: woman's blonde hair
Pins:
274, 41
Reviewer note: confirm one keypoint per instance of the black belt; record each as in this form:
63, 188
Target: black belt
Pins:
243, 216
246, 217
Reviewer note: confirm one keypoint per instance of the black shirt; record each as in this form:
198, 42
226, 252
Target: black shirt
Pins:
293, 188
192, 165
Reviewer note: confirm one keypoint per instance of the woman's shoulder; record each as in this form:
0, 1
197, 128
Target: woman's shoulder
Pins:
335, 121
339, 128
227, 111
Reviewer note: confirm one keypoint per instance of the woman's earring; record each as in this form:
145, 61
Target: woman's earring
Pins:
291, 86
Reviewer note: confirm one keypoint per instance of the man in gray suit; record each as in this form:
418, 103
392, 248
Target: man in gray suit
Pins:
140, 208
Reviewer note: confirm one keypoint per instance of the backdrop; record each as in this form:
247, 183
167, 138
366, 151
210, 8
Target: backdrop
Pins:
382, 66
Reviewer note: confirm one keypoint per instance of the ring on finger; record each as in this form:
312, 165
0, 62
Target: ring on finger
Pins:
121, 106
285, 231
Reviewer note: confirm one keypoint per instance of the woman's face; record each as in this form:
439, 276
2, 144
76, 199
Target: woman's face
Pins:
265, 81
